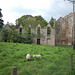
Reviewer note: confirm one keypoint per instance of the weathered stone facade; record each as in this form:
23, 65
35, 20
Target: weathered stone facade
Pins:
43, 38
63, 30
61, 33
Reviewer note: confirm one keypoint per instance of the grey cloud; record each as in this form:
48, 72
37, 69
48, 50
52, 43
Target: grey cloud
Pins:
61, 8
58, 9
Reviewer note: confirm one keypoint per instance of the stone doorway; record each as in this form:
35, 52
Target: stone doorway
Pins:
38, 41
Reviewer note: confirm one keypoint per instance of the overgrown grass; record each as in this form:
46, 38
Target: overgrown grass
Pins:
55, 60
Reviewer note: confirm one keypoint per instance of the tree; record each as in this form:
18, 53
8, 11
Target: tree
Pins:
14, 36
9, 35
39, 18
33, 20
1, 21
51, 21
4, 35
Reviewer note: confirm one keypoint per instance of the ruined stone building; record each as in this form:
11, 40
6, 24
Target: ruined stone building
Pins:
40, 36
63, 30
60, 34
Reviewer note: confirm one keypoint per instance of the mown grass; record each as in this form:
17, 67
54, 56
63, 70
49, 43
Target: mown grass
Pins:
55, 60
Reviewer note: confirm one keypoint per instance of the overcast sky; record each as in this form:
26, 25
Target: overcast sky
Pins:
13, 9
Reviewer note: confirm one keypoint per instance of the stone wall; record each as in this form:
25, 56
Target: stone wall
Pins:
61, 34
63, 30
44, 38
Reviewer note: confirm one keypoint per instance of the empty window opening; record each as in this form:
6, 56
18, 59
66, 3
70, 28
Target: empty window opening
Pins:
38, 31
29, 30
20, 30
48, 30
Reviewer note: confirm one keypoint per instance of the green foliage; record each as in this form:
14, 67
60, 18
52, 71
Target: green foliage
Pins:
9, 35
51, 21
54, 61
4, 35
34, 21
29, 30
24, 40
1, 21
39, 18
20, 30
38, 31
14, 36
12, 27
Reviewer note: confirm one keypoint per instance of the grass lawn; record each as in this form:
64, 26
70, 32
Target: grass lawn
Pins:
55, 59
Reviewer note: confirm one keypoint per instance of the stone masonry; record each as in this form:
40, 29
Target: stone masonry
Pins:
44, 38
61, 33
63, 29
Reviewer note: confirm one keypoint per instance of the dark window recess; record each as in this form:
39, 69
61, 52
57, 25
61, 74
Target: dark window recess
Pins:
38, 41
48, 31
20, 30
